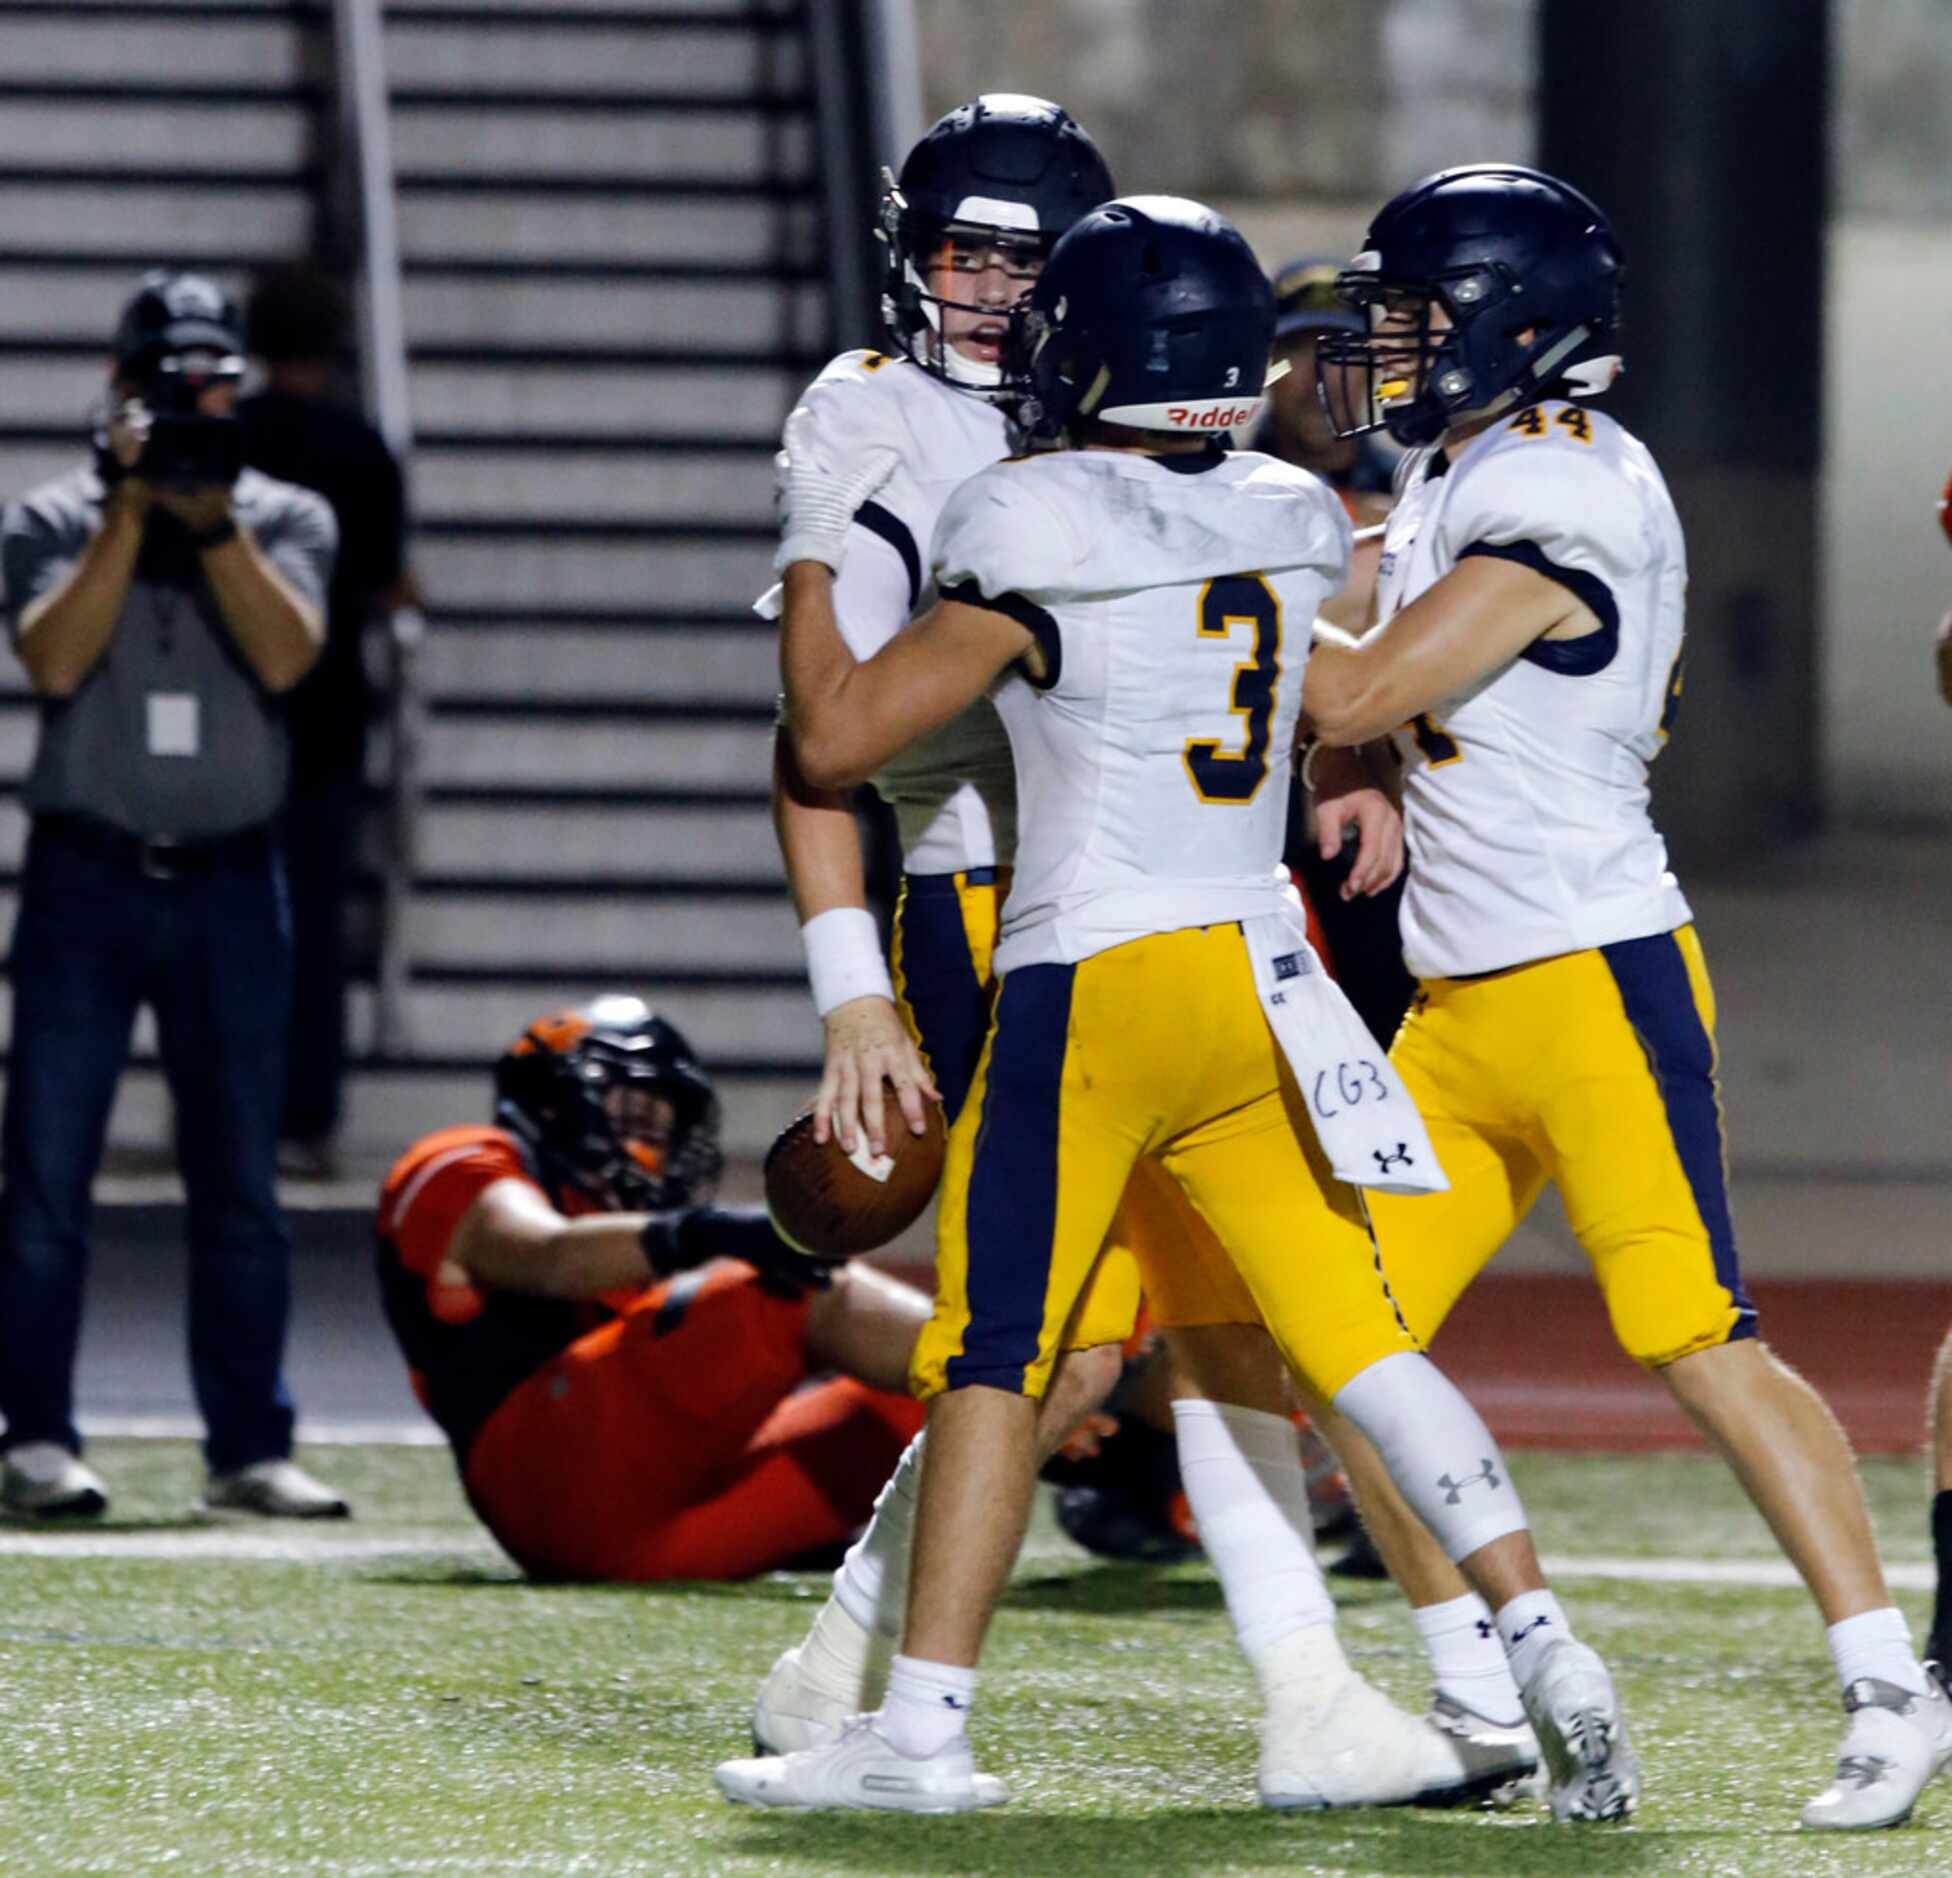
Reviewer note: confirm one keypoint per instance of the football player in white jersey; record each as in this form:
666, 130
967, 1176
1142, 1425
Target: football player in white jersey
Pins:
1530, 599
1136, 606
966, 228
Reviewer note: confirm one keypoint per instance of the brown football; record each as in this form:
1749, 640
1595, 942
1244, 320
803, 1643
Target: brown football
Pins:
832, 1204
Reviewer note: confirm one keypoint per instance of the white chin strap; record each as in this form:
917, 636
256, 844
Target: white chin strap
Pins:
974, 373
1590, 378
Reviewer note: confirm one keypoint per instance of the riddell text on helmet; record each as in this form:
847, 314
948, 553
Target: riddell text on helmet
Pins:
1216, 417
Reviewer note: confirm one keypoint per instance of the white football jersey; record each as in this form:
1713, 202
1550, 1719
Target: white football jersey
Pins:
1525, 798
1173, 599
953, 792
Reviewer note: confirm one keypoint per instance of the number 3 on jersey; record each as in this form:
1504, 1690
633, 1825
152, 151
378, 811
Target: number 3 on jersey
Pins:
1227, 601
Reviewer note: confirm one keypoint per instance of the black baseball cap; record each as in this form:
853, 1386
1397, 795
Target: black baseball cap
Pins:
1305, 299
172, 313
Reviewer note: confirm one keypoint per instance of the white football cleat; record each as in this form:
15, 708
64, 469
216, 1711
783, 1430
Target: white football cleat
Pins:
1496, 1761
1894, 1742
790, 1713
862, 1770
273, 1490
44, 1480
1592, 1770
1342, 1742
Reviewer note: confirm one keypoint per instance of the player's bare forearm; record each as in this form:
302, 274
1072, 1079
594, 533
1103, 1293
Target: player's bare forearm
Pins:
65, 631
279, 633
512, 1237
1473, 622
819, 839
847, 719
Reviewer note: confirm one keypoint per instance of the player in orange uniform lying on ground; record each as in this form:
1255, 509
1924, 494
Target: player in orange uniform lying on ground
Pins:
618, 1363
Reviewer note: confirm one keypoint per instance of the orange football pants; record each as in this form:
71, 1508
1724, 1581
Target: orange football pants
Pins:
677, 1441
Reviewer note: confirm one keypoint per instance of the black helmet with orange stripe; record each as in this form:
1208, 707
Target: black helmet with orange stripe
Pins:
614, 1108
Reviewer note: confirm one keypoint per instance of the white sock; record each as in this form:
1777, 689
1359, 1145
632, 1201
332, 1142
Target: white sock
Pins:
927, 1705
872, 1583
1437, 1450
846, 1653
1528, 1626
1467, 1660
1244, 1481
1876, 1643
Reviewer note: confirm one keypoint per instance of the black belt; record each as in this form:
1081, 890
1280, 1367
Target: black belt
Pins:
158, 857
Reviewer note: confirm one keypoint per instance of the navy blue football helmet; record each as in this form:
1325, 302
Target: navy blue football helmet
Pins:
1503, 251
1004, 171
1152, 313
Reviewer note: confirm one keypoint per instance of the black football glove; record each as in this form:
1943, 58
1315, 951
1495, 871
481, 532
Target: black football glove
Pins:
676, 1242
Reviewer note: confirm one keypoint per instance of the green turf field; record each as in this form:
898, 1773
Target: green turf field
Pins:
419, 1710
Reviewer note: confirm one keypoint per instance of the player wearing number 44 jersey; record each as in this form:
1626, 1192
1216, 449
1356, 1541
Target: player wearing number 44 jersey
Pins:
1530, 599
1159, 1000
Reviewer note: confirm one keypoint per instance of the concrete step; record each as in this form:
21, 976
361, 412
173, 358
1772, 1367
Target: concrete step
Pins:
537, 225
557, 572
83, 134
487, 479
57, 391
608, 932
280, 50
597, 935
573, 842
496, 841
200, 225
726, 1023
386, 1109
603, 753
503, 399
633, 56
563, 660
733, 145
553, 310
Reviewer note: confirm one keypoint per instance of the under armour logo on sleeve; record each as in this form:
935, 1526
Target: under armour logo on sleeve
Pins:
1454, 1489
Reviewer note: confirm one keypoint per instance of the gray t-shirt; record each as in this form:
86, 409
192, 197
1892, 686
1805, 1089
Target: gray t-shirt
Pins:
171, 733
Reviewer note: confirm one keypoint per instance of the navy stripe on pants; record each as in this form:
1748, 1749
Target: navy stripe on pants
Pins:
1652, 975
1013, 1183
949, 1002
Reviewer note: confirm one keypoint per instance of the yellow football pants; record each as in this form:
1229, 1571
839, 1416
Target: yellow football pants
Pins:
1158, 1048
1595, 1070
945, 933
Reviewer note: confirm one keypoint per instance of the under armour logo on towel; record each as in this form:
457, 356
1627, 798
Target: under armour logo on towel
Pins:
1290, 965
1399, 1156
1454, 1489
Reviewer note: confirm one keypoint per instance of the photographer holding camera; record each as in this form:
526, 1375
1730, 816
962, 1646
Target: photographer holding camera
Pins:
162, 601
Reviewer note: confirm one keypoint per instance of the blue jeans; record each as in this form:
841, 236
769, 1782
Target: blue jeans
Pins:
210, 952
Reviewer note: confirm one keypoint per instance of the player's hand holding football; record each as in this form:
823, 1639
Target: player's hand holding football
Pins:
867, 1044
1348, 798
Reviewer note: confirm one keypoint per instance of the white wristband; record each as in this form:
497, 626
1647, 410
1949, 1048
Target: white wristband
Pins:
844, 958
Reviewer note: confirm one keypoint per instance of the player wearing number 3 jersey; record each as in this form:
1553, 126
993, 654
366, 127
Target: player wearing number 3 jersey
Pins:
1530, 594
1138, 604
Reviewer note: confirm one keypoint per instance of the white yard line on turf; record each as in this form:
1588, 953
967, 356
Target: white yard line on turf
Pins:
401, 1432
255, 1544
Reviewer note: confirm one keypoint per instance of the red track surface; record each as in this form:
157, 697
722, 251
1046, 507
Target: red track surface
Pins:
1537, 1357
